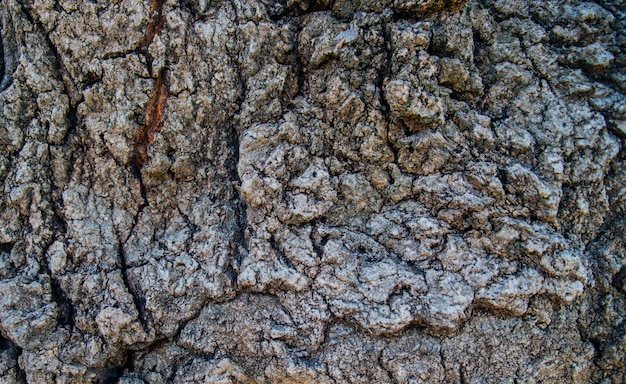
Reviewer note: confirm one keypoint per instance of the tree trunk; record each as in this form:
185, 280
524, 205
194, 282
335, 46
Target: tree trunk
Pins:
312, 191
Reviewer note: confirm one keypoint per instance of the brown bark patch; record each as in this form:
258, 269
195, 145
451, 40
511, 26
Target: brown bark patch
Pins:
154, 121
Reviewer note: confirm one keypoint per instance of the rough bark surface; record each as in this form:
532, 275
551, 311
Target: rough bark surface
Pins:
312, 191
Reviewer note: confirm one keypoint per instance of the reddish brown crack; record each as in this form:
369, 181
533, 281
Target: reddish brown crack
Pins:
156, 24
154, 121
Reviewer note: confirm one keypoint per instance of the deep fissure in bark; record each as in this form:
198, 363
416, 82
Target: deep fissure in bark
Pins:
144, 135
138, 300
155, 26
6, 247
2, 74
73, 93
66, 309
8, 346
240, 241
8, 50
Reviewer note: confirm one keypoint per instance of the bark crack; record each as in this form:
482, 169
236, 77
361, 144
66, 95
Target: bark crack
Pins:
155, 26
144, 136
7, 345
66, 311
2, 74
383, 365
240, 246
138, 300
59, 67
8, 53
154, 121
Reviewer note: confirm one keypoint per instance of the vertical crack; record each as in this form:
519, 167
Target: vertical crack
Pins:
114, 374
462, 377
72, 122
383, 365
75, 96
155, 26
144, 136
6, 247
281, 255
240, 245
384, 72
15, 351
8, 49
385, 69
240, 238
138, 300
2, 75
154, 122
67, 312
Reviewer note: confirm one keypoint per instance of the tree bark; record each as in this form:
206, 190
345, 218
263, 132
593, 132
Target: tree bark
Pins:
312, 191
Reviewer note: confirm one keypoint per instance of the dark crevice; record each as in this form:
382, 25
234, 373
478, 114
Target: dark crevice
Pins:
113, 375
307, 7
143, 139
426, 12
385, 70
129, 366
612, 224
67, 312
297, 62
318, 247
118, 55
240, 244
58, 65
59, 220
613, 128
2, 75
384, 367
182, 324
282, 14
144, 203
110, 376
138, 300
619, 280
21, 374
597, 345
240, 238
442, 358
72, 122
155, 26
382, 74
6, 345
462, 377
6, 247
240, 241
8, 52
281, 255
239, 72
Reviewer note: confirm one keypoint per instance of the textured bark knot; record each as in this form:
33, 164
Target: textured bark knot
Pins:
154, 121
